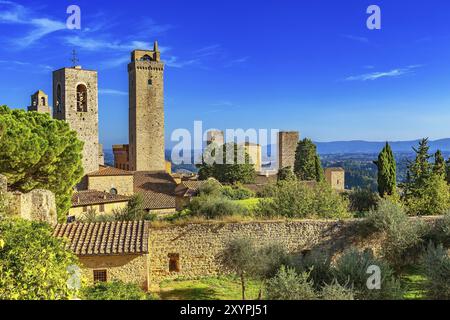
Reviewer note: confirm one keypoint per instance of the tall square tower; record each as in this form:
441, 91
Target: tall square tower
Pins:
146, 114
75, 100
287, 146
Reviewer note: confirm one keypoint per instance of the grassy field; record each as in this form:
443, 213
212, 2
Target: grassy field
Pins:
413, 282
211, 288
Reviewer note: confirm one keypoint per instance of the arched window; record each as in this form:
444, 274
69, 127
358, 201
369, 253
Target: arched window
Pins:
146, 58
82, 98
58, 98
43, 101
113, 191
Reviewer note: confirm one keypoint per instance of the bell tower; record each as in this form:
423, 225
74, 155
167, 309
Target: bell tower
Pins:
146, 113
75, 100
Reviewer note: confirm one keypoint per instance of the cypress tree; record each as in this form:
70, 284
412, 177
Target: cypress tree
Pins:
307, 165
387, 172
439, 166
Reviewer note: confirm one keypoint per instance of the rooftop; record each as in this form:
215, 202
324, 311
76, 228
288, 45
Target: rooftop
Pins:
92, 197
109, 171
157, 189
105, 238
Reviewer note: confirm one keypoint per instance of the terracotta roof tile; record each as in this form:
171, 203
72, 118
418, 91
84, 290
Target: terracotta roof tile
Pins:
109, 171
105, 238
91, 197
157, 189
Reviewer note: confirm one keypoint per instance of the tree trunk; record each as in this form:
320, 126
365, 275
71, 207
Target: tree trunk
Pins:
243, 286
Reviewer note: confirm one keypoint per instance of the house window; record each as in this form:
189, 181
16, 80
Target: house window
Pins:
174, 262
102, 208
113, 191
100, 276
81, 98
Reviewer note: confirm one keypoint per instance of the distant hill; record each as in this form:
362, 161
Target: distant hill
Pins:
375, 147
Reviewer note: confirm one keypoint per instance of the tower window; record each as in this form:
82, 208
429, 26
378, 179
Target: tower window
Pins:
43, 101
146, 58
150, 82
81, 98
58, 99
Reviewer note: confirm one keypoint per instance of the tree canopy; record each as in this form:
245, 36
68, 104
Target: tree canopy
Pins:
38, 152
238, 168
34, 265
307, 165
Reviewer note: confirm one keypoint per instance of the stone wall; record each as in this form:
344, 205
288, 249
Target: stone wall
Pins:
199, 246
123, 184
37, 205
127, 268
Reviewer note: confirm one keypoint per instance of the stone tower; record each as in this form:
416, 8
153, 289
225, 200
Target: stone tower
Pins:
39, 102
146, 114
75, 100
215, 136
287, 146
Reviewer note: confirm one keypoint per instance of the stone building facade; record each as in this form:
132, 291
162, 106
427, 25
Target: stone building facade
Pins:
287, 146
336, 178
75, 100
39, 103
121, 156
112, 180
146, 118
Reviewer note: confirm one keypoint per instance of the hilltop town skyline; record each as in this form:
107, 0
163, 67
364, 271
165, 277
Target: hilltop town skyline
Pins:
359, 81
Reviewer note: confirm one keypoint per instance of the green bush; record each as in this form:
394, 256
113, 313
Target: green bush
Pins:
215, 207
318, 265
34, 265
211, 187
116, 290
436, 266
351, 270
335, 291
363, 200
288, 285
237, 192
134, 211
440, 232
292, 199
404, 237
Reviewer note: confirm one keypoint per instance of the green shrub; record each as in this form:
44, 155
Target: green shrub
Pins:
292, 199
318, 265
404, 237
237, 192
210, 187
335, 291
363, 200
440, 232
134, 211
351, 270
436, 266
116, 290
215, 207
288, 285
34, 265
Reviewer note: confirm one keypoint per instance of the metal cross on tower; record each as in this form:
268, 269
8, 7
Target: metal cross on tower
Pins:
74, 58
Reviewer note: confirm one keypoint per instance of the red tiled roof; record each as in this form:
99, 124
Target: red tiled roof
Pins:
109, 171
91, 197
105, 238
157, 189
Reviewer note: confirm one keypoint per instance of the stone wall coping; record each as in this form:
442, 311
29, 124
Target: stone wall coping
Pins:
274, 221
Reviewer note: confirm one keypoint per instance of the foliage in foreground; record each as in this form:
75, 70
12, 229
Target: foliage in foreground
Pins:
436, 266
38, 152
34, 265
293, 199
115, 290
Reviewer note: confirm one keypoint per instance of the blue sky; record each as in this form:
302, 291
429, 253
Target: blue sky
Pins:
311, 66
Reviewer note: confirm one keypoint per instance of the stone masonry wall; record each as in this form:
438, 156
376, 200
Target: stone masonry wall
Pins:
123, 184
127, 268
200, 245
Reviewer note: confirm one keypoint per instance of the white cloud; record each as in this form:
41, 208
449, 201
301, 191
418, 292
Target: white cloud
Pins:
386, 74
112, 92
355, 38
13, 13
237, 61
